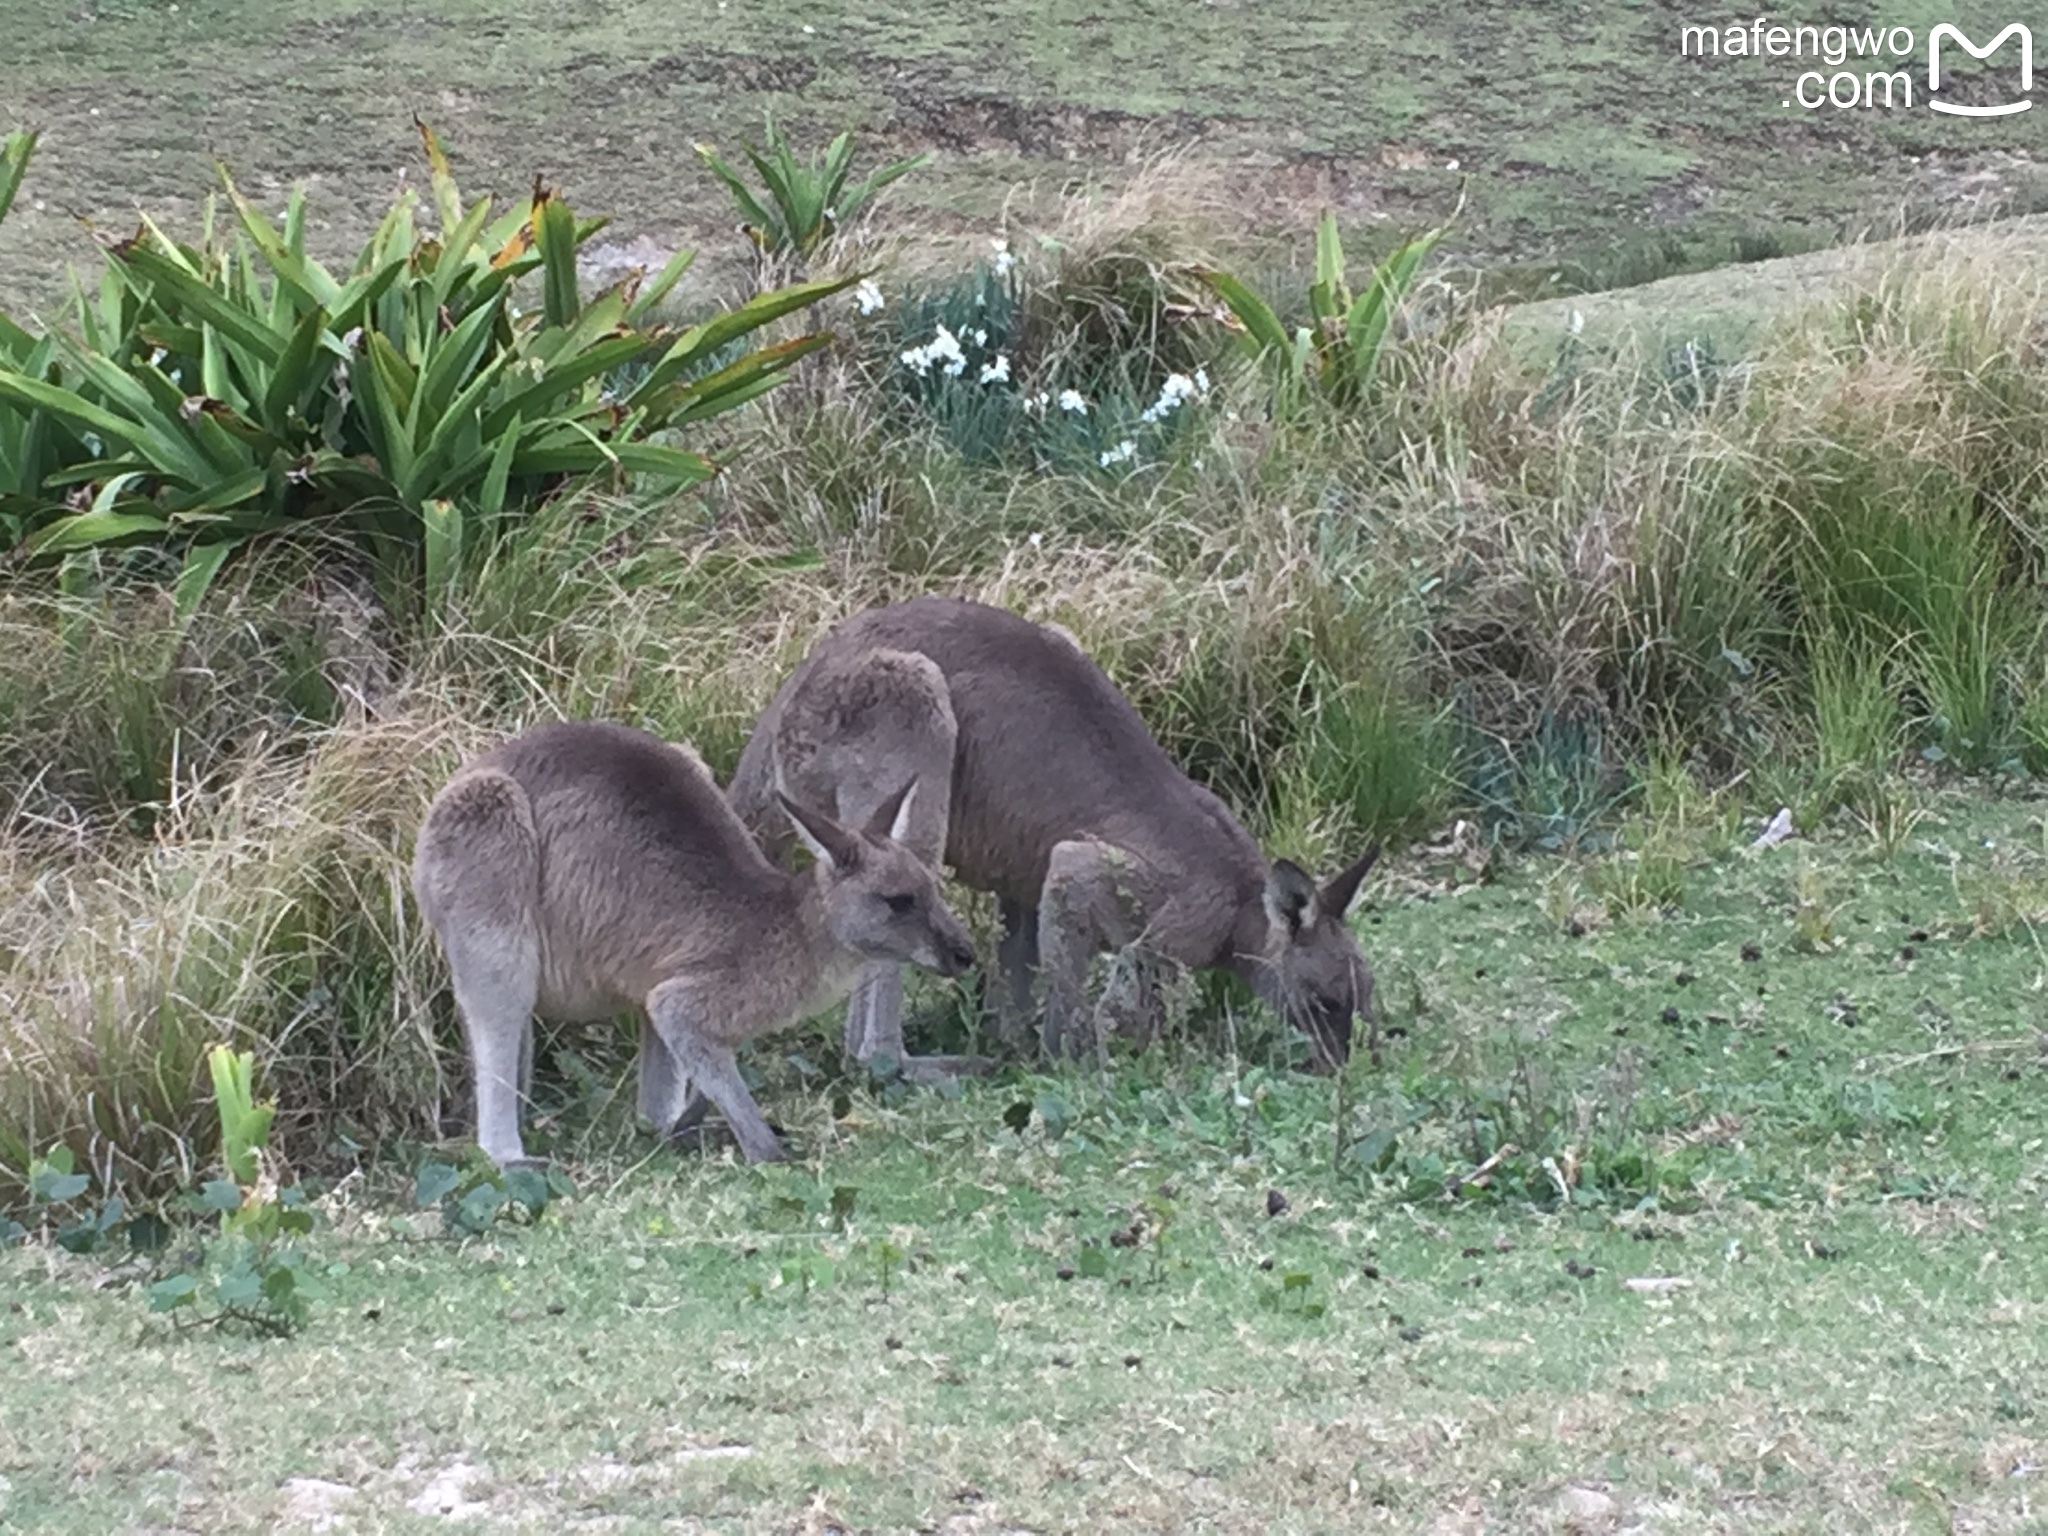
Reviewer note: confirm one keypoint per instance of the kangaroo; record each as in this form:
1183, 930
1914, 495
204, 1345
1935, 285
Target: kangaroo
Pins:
1046, 788
581, 870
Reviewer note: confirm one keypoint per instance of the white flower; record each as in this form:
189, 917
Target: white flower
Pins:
1037, 403
1003, 259
1178, 387
1201, 381
944, 345
997, 372
1037, 539
1121, 453
868, 296
980, 337
1070, 400
1577, 323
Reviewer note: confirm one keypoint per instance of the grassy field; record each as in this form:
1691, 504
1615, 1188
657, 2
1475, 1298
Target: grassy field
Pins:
1590, 146
1801, 1114
1703, 1187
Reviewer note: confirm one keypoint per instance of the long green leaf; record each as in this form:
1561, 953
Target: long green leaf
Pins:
293, 268
441, 522
454, 361
457, 426
300, 369
88, 530
165, 449
702, 340
742, 195
851, 202
202, 563
556, 236
532, 400
735, 384
1262, 327
653, 293
1367, 324
170, 276
382, 401
490, 499
578, 457
1327, 297
15, 150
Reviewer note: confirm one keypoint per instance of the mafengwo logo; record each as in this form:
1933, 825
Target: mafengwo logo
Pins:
1849, 81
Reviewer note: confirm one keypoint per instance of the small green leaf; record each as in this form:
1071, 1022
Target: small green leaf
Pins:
475, 1211
80, 1236
1055, 1113
241, 1286
1294, 1282
221, 1195
433, 1182
173, 1291
527, 1187
49, 1187
1092, 1263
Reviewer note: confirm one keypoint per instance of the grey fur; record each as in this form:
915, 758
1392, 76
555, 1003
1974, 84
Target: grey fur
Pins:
582, 870
1047, 789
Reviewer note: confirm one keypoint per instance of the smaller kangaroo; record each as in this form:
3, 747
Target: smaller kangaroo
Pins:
1044, 786
582, 869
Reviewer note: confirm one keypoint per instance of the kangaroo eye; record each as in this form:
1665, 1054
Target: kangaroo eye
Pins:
900, 904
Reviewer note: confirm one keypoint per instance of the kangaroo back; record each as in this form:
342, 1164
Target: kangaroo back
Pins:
1046, 748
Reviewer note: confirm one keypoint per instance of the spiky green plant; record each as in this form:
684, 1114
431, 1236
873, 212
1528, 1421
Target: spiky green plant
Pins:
1338, 355
801, 205
237, 388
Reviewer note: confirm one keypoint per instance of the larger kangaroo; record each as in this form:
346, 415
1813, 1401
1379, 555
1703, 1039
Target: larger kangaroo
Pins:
583, 870
1046, 788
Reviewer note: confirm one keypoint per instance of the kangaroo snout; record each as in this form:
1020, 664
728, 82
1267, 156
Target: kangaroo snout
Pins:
957, 953
952, 952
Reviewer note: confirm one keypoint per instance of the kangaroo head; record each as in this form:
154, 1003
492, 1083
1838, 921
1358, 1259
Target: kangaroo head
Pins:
881, 901
1315, 976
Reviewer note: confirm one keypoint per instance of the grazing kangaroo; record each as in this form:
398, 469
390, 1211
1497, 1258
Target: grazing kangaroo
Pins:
1045, 787
581, 870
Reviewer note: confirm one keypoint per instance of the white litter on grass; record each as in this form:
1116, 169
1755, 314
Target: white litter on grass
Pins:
313, 1502
1779, 829
1657, 1285
447, 1493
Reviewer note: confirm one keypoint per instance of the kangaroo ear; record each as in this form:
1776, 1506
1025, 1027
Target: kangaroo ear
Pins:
892, 816
830, 843
1290, 898
1335, 898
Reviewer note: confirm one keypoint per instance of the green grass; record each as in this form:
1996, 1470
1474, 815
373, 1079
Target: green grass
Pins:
1592, 150
1844, 1166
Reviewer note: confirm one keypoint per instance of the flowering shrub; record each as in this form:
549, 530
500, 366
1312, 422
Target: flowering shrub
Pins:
970, 368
